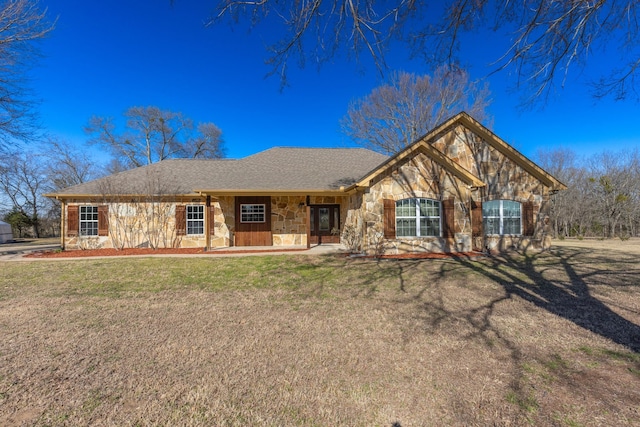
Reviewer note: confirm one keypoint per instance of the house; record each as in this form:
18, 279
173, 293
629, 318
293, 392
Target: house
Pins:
458, 188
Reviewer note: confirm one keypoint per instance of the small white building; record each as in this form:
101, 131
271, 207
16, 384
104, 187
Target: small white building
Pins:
6, 235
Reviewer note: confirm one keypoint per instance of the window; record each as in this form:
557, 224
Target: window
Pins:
501, 217
417, 218
88, 220
252, 213
195, 219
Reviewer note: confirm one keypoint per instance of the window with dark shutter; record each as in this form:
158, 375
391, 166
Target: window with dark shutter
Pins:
449, 223
72, 221
389, 221
528, 226
181, 220
103, 220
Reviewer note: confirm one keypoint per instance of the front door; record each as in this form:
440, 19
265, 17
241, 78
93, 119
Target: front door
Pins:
325, 224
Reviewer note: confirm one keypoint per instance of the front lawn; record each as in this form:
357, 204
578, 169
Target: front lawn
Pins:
297, 340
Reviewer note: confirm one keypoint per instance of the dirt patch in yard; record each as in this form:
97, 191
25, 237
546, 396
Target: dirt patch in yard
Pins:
550, 339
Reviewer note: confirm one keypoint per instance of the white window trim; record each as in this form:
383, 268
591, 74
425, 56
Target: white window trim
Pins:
88, 221
418, 217
200, 209
501, 218
263, 213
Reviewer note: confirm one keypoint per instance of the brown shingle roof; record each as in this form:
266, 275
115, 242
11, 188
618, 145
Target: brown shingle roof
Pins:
276, 169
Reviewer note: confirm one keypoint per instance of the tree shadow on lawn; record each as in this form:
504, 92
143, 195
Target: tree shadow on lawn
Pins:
558, 282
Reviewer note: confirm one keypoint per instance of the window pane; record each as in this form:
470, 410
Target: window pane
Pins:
406, 207
491, 208
429, 207
88, 220
491, 225
511, 226
429, 227
252, 213
405, 227
510, 208
323, 219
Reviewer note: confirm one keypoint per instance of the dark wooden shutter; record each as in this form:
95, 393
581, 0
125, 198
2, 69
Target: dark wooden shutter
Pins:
389, 221
212, 221
528, 226
476, 218
181, 220
72, 221
103, 220
449, 220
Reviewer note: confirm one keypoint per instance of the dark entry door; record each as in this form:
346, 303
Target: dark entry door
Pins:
325, 224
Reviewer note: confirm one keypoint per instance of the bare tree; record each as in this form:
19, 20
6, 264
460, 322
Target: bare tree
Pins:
603, 194
152, 135
22, 23
546, 37
396, 114
67, 165
22, 180
206, 144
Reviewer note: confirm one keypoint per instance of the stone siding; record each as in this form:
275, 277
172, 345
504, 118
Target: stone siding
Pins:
421, 177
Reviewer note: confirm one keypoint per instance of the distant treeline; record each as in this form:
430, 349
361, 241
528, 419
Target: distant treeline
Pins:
603, 195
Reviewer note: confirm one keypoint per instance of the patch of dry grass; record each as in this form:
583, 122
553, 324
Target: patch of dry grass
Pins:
296, 340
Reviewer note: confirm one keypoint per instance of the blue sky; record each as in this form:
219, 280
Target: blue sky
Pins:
104, 57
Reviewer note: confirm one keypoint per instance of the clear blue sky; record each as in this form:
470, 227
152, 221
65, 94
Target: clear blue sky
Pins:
104, 57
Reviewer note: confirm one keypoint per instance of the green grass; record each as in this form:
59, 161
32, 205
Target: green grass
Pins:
325, 340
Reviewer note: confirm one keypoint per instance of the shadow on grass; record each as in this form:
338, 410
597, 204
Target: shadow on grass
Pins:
559, 283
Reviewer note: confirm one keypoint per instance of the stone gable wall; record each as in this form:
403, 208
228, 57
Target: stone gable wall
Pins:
421, 177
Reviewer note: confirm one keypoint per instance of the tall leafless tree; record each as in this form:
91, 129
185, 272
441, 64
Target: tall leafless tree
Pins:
67, 165
397, 113
22, 24
22, 180
152, 135
546, 38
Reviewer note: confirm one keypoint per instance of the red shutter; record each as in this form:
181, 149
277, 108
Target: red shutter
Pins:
103, 220
476, 218
389, 221
181, 220
528, 226
72, 221
449, 222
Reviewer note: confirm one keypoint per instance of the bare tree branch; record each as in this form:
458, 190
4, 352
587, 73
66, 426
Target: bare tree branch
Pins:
396, 114
549, 39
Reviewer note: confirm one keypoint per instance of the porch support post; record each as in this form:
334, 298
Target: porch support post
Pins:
207, 228
62, 230
308, 224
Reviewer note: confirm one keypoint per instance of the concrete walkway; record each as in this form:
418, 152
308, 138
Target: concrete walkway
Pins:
17, 252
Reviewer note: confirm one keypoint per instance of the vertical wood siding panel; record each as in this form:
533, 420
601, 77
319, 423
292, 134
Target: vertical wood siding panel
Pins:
181, 220
103, 220
73, 224
389, 221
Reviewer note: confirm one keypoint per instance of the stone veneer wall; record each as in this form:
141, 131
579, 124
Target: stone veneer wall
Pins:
288, 223
224, 217
288, 220
416, 177
127, 221
421, 177
505, 180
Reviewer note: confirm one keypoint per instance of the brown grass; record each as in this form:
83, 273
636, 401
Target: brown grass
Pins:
297, 340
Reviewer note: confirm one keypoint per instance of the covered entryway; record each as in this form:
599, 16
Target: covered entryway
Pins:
324, 224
